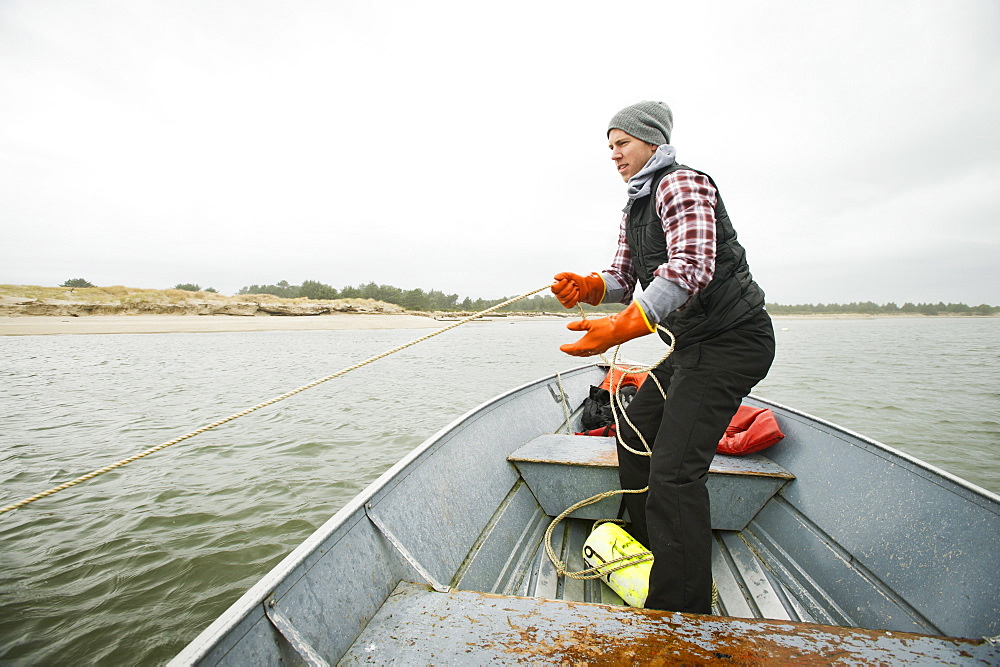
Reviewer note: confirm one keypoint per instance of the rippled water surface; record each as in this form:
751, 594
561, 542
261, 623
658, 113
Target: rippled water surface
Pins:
130, 566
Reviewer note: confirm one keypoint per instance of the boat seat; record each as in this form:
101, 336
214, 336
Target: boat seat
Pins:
562, 470
417, 625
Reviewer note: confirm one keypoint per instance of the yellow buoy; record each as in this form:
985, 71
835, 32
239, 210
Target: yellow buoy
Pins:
609, 542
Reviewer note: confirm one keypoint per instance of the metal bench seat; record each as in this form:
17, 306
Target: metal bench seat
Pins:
562, 470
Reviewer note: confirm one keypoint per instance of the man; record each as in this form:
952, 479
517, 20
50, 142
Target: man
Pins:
677, 241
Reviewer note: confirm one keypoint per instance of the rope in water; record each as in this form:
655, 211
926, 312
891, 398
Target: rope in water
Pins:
272, 401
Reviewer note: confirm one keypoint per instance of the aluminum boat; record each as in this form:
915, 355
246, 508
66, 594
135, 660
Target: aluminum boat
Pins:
829, 547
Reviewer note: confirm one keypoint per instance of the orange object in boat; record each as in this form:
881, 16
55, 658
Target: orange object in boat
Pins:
750, 430
615, 376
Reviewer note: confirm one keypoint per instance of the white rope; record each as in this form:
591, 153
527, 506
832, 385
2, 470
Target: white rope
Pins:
629, 560
616, 399
272, 401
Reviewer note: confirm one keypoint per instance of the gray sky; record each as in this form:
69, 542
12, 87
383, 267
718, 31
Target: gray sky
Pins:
461, 146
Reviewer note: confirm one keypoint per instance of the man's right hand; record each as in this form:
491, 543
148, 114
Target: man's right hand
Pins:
571, 289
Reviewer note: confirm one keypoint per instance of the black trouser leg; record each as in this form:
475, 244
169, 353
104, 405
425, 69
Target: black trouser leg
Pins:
645, 412
705, 384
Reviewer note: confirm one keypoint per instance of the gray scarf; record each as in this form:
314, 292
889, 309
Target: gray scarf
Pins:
639, 185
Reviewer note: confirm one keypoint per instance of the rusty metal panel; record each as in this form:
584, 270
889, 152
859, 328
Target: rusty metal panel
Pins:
417, 626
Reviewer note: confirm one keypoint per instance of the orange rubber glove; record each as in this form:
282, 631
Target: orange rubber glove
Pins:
606, 332
570, 289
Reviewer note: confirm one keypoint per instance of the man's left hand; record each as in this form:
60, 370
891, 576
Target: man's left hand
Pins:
606, 332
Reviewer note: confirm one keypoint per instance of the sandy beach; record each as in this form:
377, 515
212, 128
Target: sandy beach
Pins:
134, 324
44, 325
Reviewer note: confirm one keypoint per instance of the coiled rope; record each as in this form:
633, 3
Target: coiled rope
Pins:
616, 400
208, 427
613, 565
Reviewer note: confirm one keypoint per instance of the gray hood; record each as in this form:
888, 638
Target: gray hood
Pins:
638, 185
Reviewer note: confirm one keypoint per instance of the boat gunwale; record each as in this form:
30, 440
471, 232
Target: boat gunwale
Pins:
892, 451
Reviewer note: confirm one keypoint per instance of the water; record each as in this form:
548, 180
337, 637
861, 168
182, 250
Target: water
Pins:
129, 567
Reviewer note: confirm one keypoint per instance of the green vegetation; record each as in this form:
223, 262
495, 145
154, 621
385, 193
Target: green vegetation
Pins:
104, 295
413, 299
435, 301
77, 282
870, 308
282, 289
192, 287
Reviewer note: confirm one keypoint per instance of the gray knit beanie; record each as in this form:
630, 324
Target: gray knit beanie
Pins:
649, 121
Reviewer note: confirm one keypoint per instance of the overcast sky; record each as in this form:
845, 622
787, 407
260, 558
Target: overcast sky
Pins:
461, 146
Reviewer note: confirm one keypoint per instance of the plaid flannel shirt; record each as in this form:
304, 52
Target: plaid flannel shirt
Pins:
685, 203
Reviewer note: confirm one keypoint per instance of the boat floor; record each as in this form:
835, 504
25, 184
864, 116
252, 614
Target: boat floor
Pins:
746, 586
532, 615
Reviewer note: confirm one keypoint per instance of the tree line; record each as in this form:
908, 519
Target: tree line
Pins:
871, 308
434, 300
411, 299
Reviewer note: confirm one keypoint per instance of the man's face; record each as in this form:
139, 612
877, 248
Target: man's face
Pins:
628, 153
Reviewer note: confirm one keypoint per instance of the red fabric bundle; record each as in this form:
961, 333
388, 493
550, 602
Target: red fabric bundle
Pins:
751, 430
604, 431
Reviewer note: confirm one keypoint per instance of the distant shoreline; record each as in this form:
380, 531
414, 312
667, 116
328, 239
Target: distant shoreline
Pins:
27, 310
879, 316
49, 325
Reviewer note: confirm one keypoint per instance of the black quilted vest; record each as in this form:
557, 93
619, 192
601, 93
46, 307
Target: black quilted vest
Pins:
732, 296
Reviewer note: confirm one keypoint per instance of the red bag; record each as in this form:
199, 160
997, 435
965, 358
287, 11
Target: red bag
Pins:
751, 430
